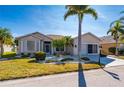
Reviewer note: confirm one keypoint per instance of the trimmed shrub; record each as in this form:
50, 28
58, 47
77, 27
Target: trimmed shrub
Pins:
85, 58
112, 50
9, 54
50, 61
67, 59
25, 54
40, 55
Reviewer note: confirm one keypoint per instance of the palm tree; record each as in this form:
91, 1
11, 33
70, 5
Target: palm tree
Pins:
5, 38
80, 11
68, 42
59, 45
116, 30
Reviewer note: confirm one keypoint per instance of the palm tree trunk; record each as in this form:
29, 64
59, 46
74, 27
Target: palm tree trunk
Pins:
79, 39
116, 53
1, 50
67, 50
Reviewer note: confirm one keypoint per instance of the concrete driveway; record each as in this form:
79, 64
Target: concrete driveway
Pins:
107, 77
109, 61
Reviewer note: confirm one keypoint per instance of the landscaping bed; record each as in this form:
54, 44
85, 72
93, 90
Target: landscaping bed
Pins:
25, 67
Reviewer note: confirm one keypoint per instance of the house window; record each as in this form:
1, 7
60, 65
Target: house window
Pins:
92, 48
31, 45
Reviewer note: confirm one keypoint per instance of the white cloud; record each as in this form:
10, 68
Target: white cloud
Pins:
102, 16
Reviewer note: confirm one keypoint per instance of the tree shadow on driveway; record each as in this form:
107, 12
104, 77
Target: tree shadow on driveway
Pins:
81, 78
113, 75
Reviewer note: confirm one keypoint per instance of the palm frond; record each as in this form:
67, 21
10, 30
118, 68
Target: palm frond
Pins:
69, 13
122, 26
121, 30
112, 23
122, 18
92, 12
77, 7
121, 12
109, 31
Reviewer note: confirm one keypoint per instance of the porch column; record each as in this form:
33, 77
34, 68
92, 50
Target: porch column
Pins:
21, 46
52, 49
35, 46
39, 46
98, 45
87, 49
26, 49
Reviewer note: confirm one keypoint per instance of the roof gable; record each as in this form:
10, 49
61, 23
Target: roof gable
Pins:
37, 35
89, 33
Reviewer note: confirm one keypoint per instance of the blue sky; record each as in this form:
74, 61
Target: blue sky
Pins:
49, 20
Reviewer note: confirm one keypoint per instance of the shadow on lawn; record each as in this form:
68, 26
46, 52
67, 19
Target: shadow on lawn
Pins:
81, 78
113, 75
32, 61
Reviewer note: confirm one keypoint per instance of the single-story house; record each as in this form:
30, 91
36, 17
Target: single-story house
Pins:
108, 42
36, 41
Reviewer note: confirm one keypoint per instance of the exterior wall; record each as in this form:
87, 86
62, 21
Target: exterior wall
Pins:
86, 39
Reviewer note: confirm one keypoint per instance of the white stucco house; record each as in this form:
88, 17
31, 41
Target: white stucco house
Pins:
39, 42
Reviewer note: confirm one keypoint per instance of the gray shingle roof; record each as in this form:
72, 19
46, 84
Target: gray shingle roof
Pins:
54, 37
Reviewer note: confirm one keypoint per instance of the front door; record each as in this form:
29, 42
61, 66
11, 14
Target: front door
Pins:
47, 48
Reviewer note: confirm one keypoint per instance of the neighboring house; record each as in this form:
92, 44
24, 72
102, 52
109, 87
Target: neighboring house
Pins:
38, 42
108, 42
8, 48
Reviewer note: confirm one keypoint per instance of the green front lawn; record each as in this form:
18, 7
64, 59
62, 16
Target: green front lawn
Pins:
22, 68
